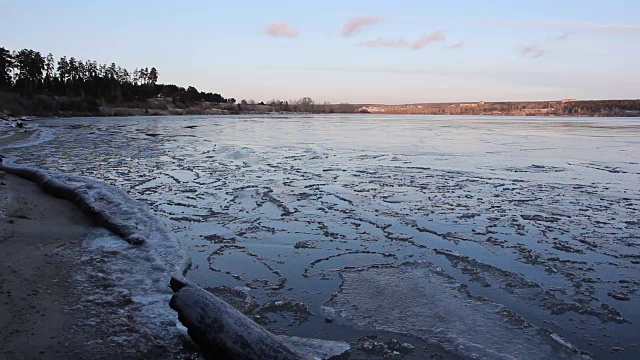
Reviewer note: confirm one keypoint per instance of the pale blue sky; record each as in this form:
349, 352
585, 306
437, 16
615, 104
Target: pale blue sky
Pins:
511, 50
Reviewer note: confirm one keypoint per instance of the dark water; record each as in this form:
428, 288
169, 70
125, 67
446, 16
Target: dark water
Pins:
491, 236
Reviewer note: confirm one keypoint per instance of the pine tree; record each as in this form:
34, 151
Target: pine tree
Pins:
6, 66
153, 76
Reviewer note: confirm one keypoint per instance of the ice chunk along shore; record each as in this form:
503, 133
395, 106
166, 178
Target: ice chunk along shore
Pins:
111, 208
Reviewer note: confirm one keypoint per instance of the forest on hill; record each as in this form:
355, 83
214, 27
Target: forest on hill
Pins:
31, 83
34, 84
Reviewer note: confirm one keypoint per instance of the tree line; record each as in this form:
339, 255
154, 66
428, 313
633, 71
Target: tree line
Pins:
303, 105
28, 73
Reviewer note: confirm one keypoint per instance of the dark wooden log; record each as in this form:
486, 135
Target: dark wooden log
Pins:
223, 332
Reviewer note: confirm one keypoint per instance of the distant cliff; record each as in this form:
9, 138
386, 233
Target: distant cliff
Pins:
566, 107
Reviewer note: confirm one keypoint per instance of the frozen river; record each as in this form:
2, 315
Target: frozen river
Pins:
493, 237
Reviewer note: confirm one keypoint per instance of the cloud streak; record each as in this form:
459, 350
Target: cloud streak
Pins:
562, 37
532, 52
585, 25
281, 29
457, 45
420, 43
568, 25
355, 25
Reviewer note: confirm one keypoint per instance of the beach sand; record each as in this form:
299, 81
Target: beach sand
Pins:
35, 275
41, 239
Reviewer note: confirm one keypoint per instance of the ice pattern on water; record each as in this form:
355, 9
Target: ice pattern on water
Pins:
437, 308
538, 215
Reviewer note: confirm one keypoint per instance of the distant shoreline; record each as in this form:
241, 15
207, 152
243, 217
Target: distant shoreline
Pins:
65, 107
565, 107
286, 114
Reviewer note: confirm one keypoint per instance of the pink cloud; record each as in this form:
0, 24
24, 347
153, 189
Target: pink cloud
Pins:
457, 45
427, 39
281, 29
357, 24
532, 51
420, 43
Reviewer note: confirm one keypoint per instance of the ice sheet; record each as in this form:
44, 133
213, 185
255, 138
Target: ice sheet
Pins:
538, 215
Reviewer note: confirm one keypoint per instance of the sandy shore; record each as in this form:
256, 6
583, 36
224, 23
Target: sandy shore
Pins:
35, 275
41, 239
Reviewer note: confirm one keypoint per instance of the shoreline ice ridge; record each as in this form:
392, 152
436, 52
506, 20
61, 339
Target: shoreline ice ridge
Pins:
119, 277
111, 208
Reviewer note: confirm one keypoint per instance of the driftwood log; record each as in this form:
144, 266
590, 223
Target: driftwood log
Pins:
222, 332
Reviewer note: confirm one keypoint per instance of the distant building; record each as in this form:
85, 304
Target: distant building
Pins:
537, 111
479, 103
569, 100
371, 109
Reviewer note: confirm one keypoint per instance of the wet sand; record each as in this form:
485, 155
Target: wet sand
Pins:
37, 231
41, 310
43, 284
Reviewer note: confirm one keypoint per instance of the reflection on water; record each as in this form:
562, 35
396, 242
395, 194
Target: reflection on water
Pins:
537, 217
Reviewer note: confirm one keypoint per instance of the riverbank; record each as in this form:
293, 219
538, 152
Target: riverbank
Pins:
52, 306
61, 297
42, 240
39, 235
44, 105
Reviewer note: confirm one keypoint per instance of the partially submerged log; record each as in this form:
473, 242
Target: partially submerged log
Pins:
222, 332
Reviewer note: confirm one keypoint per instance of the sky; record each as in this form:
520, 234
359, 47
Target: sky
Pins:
373, 51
